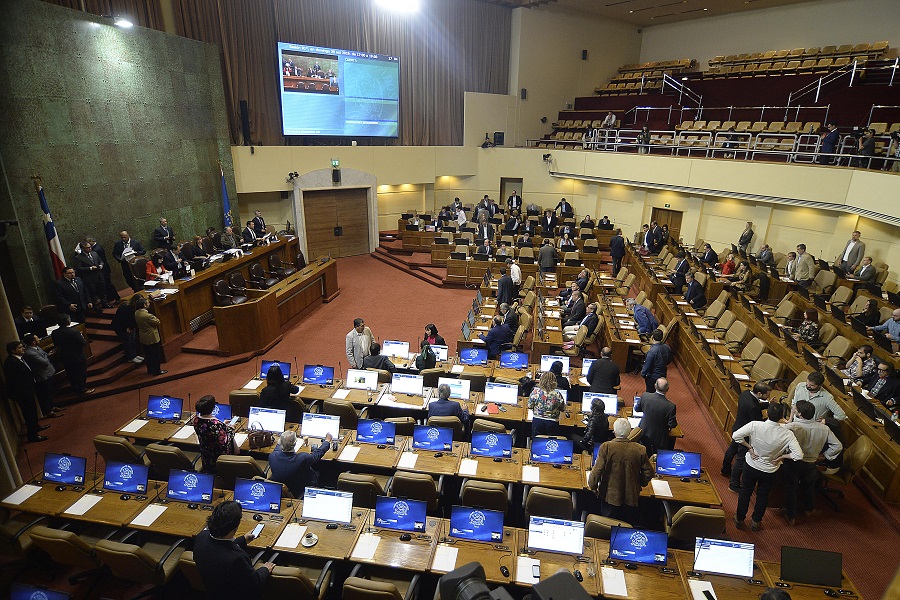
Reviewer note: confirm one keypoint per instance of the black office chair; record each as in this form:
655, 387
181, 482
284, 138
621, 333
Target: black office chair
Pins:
258, 276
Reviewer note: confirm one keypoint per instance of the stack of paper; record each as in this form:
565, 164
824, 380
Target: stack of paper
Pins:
291, 536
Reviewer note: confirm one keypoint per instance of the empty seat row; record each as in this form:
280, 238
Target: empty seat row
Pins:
629, 89
795, 127
863, 50
768, 68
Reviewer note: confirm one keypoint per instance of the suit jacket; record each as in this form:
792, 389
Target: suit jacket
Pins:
506, 290
865, 273
746, 238
163, 237
119, 248
694, 295
482, 249
576, 313
790, 269
548, 225
249, 235
529, 227
229, 240
589, 320
806, 268
856, 254
83, 262
69, 344
495, 338
658, 419
226, 569
512, 225
710, 257
514, 203
66, 294
617, 246
621, 470
40, 364
547, 256
646, 321
379, 362
511, 320
147, 325
485, 231
656, 361
766, 257
19, 379
170, 260
564, 207
890, 389
658, 239
525, 244
748, 409
35, 326
604, 376
259, 226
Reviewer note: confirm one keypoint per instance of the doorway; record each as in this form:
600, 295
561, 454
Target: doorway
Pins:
671, 217
337, 222
507, 186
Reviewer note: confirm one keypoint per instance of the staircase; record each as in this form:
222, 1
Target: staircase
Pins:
417, 264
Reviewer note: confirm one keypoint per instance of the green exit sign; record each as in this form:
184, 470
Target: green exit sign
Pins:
668, 206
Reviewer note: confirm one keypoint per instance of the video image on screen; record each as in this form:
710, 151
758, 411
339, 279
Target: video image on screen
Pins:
309, 73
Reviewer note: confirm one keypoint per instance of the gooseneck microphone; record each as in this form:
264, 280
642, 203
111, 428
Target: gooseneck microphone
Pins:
30, 469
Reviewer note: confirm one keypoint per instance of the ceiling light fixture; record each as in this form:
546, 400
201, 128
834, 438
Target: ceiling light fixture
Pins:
122, 22
399, 5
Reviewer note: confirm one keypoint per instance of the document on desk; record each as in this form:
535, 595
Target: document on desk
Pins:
253, 384
84, 504
531, 473
726, 357
444, 558
549, 328
583, 380
349, 453
184, 433
457, 369
468, 466
691, 314
701, 327
134, 425
613, 582
341, 394
634, 421
291, 536
28, 490
408, 460
524, 570
366, 546
661, 488
698, 587
240, 438
530, 416
149, 515
741, 377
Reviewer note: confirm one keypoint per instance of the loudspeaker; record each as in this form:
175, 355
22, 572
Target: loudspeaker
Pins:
584, 55
338, 231
285, 195
498, 138
245, 123
524, 94
335, 176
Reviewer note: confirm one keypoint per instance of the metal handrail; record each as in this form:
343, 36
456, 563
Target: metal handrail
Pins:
819, 83
683, 91
879, 107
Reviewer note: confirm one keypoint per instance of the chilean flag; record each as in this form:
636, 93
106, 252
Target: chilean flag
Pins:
56, 252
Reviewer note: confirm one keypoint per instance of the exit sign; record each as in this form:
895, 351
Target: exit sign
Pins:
668, 206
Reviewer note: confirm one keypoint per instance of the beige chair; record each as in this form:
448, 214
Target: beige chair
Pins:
767, 368
365, 488
787, 311
189, 569
384, 376
736, 336
164, 458
403, 425
486, 494
751, 352
724, 321
600, 528
241, 401
430, 376
342, 408
230, 467
827, 332
15, 540
842, 296
855, 458
800, 378
299, 582
373, 583
453, 423
151, 563
691, 522
713, 312
626, 285
418, 486
118, 449
547, 502
577, 348
838, 351
823, 283
485, 425
67, 548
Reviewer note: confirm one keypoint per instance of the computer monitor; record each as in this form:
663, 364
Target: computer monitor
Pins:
858, 326
890, 427
774, 329
677, 463
813, 567
610, 402
318, 375
267, 419
404, 383
459, 388
513, 360
473, 356
555, 535
316, 425
222, 412
432, 438
466, 331
838, 313
188, 486
440, 352
488, 443
586, 366
810, 358
470, 318
636, 408
265, 365
261, 496
864, 405
370, 431
400, 514
638, 546
723, 557
549, 359
327, 505
164, 407
126, 478
501, 393
395, 348
64, 468
358, 379
551, 450
791, 342
24, 591
476, 524
564, 394
479, 297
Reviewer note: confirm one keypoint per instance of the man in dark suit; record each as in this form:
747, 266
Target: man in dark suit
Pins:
163, 236
750, 405
658, 419
28, 322
529, 227
71, 297
112, 294
765, 255
525, 241
70, 346
376, 360
485, 248
657, 237
589, 320
124, 250
617, 250
514, 202
883, 385
174, 261
575, 313
508, 317
485, 231
865, 272
249, 234
493, 208
512, 225
43, 371
709, 256
681, 267
548, 224
506, 290
656, 361
604, 376
498, 335
259, 224
564, 208
694, 294
20, 387
89, 268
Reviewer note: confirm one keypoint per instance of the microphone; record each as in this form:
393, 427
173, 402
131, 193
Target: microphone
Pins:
221, 488
28, 460
189, 406
340, 370
608, 560
95, 470
140, 413
258, 367
296, 367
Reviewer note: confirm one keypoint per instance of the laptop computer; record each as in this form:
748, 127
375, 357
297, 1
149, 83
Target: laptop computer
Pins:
267, 419
265, 365
473, 356
370, 431
126, 478
547, 361
188, 486
836, 379
459, 388
164, 407
610, 402
722, 557
394, 348
638, 546
839, 271
819, 301
676, 463
432, 438
24, 591
404, 383
813, 567
64, 468
488, 443
501, 393
359, 379
476, 524
259, 496
555, 535
551, 450
318, 375
332, 506
316, 425
513, 360
400, 514
883, 341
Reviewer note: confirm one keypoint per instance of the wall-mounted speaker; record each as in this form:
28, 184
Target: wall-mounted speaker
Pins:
584, 55
245, 123
285, 195
335, 176
338, 231
498, 138
524, 94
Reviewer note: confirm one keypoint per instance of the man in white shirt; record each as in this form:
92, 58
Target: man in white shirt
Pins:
850, 259
358, 342
813, 437
514, 272
768, 445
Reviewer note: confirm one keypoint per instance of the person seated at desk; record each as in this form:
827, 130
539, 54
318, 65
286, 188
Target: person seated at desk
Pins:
589, 320
485, 248
485, 230
891, 326
28, 322
621, 470
575, 311
445, 407
508, 317
709, 256
808, 330
174, 261
249, 236
547, 404
884, 386
512, 224
529, 227
498, 335
743, 277
681, 267
567, 244
426, 358
525, 241
813, 391
216, 438
228, 239
596, 429
728, 267
375, 360
694, 295
604, 375
503, 251
567, 229
562, 381
765, 255
281, 394
861, 364
866, 272
605, 222
195, 250
644, 319
155, 268
295, 469
871, 315
432, 336
587, 222
222, 559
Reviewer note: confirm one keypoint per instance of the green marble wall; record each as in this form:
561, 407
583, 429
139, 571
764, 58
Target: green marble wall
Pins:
123, 126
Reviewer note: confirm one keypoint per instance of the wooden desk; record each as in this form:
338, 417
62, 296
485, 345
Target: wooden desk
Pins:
314, 392
697, 492
507, 470
273, 524
565, 477
151, 430
725, 587
427, 462
191, 440
551, 562
371, 455
418, 241
804, 591
414, 555
178, 519
111, 509
645, 581
490, 556
335, 544
45, 500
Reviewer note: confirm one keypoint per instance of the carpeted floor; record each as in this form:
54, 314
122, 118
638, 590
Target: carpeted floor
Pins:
397, 306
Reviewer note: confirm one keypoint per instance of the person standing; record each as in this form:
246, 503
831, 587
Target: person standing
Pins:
89, 268
148, 335
621, 470
805, 270
295, 469
515, 273
163, 236
124, 252
547, 256
125, 326
215, 437
20, 388
357, 343
43, 371
547, 403
815, 438
259, 224
656, 361
514, 202
830, 139
506, 290
853, 254
746, 237
750, 405
71, 297
768, 444
112, 294
617, 251
659, 418
70, 344
604, 375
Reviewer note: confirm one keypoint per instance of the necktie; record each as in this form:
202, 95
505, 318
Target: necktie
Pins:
877, 386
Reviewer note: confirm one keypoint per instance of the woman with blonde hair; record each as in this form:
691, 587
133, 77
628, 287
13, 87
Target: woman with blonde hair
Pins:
547, 404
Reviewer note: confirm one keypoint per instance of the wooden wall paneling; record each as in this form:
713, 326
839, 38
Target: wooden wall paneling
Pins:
326, 209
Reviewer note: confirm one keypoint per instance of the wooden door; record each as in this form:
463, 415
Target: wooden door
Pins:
671, 217
345, 208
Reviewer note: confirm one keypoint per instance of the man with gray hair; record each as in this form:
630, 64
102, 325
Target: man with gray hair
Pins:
294, 468
621, 470
445, 407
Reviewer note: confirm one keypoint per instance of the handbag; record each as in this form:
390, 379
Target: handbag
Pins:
259, 438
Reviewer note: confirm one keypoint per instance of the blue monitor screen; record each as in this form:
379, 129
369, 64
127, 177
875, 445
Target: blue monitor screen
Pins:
222, 412
473, 356
476, 524
164, 407
125, 478
513, 360
488, 443
22, 591
404, 515
267, 364
318, 375
638, 546
62, 468
375, 432
551, 450
432, 438
596, 451
188, 486
677, 463
263, 496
